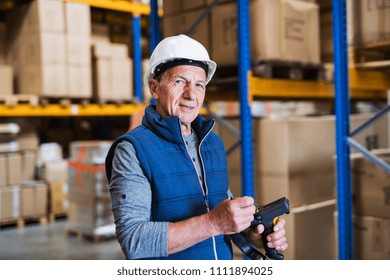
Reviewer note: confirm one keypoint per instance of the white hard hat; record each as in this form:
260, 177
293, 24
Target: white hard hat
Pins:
178, 50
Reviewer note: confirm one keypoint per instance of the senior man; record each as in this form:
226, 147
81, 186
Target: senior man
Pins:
168, 177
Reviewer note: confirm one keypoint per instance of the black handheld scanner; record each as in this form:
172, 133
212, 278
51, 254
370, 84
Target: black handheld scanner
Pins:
268, 215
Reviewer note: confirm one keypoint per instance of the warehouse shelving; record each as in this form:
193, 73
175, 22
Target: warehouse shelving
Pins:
137, 10
349, 83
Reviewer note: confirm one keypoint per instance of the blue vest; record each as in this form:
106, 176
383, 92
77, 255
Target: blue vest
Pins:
177, 193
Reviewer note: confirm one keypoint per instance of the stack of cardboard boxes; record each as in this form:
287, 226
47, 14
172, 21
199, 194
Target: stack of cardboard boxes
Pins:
294, 158
49, 46
89, 200
371, 207
78, 49
21, 195
112, 72
285, 30
37, 49
52, 168
368, 21
180, 15
6, 72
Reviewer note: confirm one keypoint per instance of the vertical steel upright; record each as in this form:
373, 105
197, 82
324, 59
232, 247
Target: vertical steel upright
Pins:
137, 57
155, 34
245, 111
154, 25
344, 188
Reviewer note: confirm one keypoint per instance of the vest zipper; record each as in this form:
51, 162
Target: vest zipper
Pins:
205, 190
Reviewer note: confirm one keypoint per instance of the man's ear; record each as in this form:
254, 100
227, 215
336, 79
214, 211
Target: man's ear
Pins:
153, 87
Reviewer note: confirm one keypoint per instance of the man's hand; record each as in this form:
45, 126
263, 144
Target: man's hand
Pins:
232, 216
276, 240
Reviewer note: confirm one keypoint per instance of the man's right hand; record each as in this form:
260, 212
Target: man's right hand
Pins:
232, 216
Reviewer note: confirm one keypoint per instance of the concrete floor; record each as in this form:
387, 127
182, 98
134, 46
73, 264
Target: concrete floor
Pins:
51, 242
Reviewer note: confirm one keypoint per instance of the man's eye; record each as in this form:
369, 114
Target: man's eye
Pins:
179, 82
200, 86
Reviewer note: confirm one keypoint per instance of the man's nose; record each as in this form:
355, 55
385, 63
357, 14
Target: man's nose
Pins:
190, 91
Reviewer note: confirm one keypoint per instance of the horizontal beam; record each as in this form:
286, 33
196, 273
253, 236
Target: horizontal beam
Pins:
53, 110
363, 85
118, 5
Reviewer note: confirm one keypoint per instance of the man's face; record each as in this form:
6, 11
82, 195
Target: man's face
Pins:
180, 93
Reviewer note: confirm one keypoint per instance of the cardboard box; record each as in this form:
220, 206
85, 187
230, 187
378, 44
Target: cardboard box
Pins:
28, 141
284, 162
27, 202
9, 203
6, 80
368, 21
77, 18
326, 34
119, 51
41, 199
180, 23
280, 30
121, 79
101, 78
113, 79
58, 196
43, 48
2, 43
224, 34
371, 185
371, 238
78, 50
48, 80
310, 232
172, 7
101, 50
80, 81
285, 29
14, 169
45, 15
3, 172
54, 171
33, 199
28, 169
49, 152
294, 157
234, 157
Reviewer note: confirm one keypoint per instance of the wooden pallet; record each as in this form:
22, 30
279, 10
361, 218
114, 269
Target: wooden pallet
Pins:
279, 69
64, 102
374, 55
4, 223
22, 221
80, 235
17, 99
56, 216
42, 220
118, 102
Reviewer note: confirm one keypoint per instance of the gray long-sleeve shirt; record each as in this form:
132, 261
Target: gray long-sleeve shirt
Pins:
138, 236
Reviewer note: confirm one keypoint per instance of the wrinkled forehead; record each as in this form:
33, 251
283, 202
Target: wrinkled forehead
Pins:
187, 72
